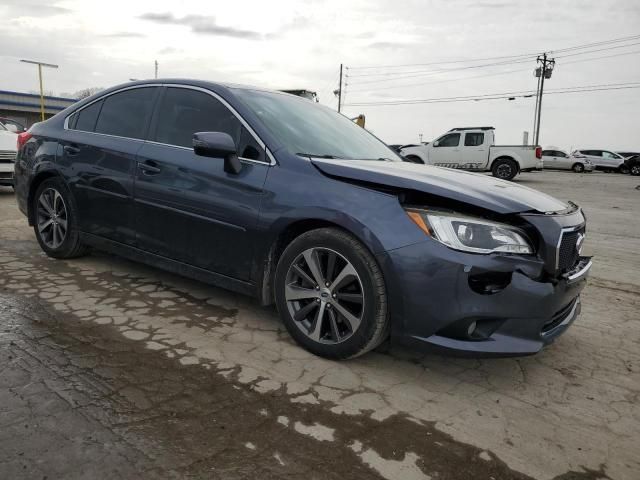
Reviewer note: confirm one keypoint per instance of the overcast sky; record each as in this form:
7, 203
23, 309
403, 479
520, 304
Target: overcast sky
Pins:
300, 44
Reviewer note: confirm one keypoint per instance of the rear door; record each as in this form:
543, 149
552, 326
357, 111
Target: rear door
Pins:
99, 150
187, 207
475, 151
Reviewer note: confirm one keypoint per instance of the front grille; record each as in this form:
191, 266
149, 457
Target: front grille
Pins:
6, 175
7, 156
568, 251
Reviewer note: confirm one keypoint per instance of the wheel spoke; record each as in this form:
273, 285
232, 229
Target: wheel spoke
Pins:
333, 323
305, 311
316, 327
347, 272
293, 292
44, 201
331, 265
354, 322
304, 275
55, 236
311, 257
350, 297
43, 225
63, 223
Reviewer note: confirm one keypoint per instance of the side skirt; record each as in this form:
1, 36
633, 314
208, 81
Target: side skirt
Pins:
173, 266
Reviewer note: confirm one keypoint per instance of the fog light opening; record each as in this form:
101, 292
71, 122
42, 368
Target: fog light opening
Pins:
471, 329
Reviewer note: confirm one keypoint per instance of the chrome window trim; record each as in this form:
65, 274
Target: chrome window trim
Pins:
244, 123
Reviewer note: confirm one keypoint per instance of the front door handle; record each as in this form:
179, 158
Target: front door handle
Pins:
71, 150
148, 167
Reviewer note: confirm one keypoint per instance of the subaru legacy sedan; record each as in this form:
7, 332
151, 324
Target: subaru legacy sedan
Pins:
274, 196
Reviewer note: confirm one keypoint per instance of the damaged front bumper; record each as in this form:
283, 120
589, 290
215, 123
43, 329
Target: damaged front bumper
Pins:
478, 304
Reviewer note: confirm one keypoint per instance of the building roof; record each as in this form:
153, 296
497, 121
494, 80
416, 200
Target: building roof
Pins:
30, 102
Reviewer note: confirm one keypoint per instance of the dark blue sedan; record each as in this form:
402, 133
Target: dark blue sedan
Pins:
280, 198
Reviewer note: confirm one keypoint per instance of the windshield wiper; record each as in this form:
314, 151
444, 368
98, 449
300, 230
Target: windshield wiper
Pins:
316, 156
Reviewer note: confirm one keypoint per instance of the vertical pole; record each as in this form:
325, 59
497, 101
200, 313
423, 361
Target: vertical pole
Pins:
41, 93
535, 111
544, 72
156, 69
340, 90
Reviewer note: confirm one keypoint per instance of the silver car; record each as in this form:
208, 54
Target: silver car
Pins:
602, 159
559, 160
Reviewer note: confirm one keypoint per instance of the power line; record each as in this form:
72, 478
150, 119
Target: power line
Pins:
503, 95
599, 50
444, 62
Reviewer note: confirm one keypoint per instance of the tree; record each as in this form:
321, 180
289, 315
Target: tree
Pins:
86, 92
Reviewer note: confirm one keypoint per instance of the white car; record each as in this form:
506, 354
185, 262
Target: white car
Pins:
474, 149
602, 159
559, 160
8, 151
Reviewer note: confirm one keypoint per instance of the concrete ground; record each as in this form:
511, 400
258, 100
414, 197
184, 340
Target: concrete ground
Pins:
109, 369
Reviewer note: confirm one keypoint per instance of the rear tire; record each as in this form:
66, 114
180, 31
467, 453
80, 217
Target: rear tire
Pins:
504, 169
578, 167
331, 294
55, 220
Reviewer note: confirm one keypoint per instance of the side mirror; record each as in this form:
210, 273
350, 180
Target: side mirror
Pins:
436, 143
218, 144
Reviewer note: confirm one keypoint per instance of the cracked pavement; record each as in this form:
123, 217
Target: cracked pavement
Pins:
111, 369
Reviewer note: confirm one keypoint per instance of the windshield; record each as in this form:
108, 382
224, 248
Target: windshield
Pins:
2, 127
309, 129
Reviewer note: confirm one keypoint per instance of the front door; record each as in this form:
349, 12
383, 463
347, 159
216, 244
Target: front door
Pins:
187, 207
446, 152
99, 150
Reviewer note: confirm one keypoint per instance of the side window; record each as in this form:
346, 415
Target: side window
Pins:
547, 153
473, 139
606, 154
449, 140
85, 119
561, 154
126, 114
183, 112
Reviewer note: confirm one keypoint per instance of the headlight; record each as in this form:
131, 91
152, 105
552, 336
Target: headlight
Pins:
471, 234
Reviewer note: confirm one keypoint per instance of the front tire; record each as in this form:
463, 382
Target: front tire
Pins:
331, 294
578, 167
504, 169
635, 170
55, 220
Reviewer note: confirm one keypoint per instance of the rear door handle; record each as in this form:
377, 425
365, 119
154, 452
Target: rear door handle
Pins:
71, 150
148, 167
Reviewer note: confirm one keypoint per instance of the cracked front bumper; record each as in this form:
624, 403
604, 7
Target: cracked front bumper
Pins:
433, 303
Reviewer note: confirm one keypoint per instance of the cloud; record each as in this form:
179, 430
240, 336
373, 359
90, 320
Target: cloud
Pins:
201, 24
123, 35
33, 9
388, 45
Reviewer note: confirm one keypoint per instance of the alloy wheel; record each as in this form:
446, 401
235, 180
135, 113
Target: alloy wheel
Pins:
504, 170
52, 218
324, 295
635, 170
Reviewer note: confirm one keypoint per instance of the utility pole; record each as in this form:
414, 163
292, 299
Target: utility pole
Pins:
156, 65
547, 69
420, 136
340, 90
40, 65
536, 73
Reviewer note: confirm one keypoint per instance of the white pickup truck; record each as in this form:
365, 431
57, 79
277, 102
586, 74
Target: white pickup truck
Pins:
473, 149
8, 150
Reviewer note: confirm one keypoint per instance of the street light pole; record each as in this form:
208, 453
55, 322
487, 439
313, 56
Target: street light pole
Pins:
40, 65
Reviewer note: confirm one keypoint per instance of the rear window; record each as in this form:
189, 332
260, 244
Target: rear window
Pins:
473, 139
126, 114
85, 119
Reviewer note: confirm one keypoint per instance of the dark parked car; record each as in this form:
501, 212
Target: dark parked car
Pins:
633, 165
286, 200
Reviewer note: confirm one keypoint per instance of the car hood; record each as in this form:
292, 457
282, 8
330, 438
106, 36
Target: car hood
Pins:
475, 189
